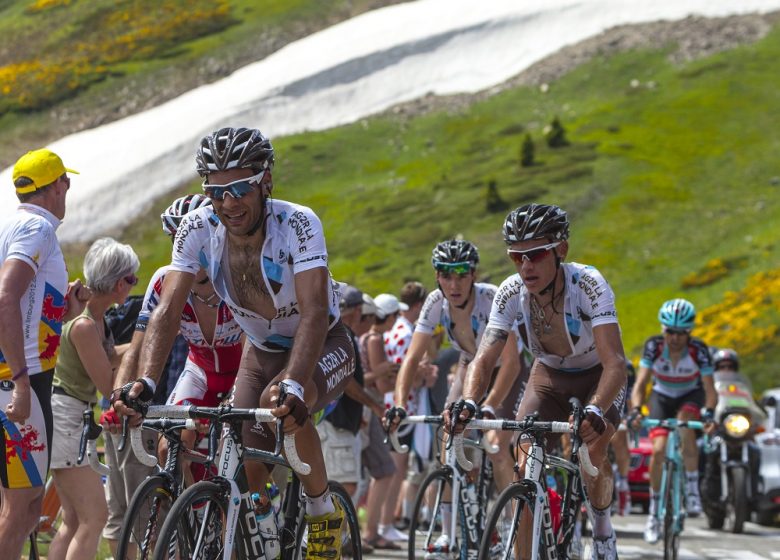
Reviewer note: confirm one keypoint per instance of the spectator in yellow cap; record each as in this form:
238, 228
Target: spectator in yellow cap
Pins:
35, 298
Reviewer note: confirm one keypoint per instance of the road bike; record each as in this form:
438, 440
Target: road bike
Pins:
216, 518
527, 502
671, 508
468, 497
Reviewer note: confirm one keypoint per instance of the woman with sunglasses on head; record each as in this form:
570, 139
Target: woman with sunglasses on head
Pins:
85, 365
680, 368
567, 319
461, 305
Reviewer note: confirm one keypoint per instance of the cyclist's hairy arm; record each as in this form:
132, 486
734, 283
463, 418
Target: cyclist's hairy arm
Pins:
609, 347
478, 374
149, 358
164, 323
311, 289
507, 373
417, 349
710, 394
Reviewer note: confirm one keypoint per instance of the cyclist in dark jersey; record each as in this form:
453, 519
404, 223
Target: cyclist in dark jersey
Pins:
680, 368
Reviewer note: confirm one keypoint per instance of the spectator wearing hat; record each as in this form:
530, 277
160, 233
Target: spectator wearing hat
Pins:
36, 299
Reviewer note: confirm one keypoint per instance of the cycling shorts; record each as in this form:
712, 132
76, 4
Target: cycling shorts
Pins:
260, 370
549, 390
199, 387
663, 406
27, 450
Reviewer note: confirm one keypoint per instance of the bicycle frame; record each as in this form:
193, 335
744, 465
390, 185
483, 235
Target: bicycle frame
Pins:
230, 472
462, 505
672, 477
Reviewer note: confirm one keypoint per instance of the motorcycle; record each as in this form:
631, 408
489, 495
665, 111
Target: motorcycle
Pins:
732, 459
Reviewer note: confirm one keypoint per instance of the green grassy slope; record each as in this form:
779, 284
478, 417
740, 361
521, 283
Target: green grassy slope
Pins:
659, 179
66, 65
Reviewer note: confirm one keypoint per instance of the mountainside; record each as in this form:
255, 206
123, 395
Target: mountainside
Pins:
670, 178
106, 60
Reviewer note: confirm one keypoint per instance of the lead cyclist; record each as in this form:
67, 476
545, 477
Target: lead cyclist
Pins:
267, 260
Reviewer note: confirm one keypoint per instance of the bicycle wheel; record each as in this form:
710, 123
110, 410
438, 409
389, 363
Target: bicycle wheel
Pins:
502, 539
145, 515
196, 524
351, 545
671, 535
426, 528
581, 544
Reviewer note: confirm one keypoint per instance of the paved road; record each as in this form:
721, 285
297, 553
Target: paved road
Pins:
698, 542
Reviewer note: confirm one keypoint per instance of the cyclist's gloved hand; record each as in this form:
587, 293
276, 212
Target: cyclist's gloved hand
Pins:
708, 417
132, 399
487, 412
634, 417
594, 420
458, 414
288, 397
393, 417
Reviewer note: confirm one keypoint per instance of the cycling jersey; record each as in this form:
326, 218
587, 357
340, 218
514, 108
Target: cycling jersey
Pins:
29, 236
223, 354
588, 302
436, 311
294, 242
675, 380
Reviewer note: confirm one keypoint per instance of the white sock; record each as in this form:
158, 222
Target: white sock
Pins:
692, 479
654, 499
446, 518
319, 505
602, 522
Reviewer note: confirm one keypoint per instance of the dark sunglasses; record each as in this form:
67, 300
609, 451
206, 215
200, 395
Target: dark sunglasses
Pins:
669, 330
446, 270
532, 255
131, 279
236, 189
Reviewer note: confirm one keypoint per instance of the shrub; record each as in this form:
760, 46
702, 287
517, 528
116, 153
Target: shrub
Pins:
527, 152
556, 134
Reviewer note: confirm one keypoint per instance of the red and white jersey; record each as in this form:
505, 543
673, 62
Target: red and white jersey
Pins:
223, 354
398, 339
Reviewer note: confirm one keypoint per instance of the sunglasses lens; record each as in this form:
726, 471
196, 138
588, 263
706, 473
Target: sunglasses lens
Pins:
534, 255
446, 269
236, 190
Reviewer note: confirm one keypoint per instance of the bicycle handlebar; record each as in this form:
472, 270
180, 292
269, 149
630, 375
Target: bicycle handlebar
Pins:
137, 444
522, 426
672, 423
392, 435
88, 444
226, 414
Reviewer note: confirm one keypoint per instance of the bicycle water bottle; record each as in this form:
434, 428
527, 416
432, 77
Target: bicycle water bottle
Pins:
276, 502
266, 523
555, 502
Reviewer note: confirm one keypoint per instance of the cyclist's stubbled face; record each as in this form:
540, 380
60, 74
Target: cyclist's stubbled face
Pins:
676, 342
539, 271
456, 287
239, 215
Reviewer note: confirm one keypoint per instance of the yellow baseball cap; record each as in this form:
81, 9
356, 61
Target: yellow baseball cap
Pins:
42, 167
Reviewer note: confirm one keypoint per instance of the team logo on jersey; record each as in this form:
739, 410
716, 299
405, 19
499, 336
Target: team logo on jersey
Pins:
22, 444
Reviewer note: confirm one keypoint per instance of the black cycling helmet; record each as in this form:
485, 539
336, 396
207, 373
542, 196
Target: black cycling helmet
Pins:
455, 251
234, 148
536, 221
726, 355
172, 216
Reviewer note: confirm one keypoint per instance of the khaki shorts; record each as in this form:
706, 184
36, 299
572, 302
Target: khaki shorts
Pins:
67, 411
341, 450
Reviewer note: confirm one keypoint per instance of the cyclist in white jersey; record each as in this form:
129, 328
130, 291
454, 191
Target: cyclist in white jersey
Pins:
566, 317
462, 307
681, 370
36, 299
267, 260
